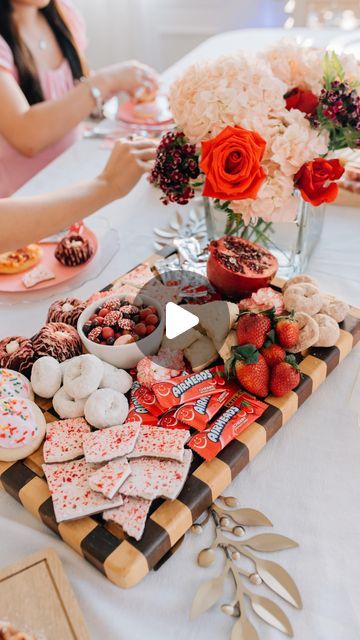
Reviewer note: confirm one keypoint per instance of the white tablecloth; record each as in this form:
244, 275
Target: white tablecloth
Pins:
307, 479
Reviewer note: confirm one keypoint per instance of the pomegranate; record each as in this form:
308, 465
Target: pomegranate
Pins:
236, 267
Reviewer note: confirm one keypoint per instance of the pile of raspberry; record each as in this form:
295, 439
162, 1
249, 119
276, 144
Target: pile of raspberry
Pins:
117, 318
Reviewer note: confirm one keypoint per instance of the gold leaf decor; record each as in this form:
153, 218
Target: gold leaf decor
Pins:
232, 522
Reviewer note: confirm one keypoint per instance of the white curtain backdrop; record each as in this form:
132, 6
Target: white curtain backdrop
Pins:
159, 32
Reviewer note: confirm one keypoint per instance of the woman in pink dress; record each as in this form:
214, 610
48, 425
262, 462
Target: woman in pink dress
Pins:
45, 89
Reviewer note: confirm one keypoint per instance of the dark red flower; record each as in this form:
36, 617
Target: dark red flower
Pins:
314, 180
305, 101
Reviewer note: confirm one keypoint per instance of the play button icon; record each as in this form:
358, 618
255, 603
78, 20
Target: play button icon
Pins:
178, 320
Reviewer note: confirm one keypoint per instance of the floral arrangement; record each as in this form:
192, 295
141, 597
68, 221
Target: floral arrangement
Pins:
253, 130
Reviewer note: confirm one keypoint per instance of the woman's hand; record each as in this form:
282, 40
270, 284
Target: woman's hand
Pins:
132, 77
128, 161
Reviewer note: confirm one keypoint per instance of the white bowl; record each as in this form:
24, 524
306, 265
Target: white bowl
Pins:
124, 356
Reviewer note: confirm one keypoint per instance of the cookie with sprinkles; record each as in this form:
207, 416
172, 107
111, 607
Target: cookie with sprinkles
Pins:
14, 385
22, 428
131, 516
64, 440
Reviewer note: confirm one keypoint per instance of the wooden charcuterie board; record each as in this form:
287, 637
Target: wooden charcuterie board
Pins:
124, 560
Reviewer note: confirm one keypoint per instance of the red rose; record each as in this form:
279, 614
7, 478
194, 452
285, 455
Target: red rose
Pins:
231, 163
314, 180
305, 101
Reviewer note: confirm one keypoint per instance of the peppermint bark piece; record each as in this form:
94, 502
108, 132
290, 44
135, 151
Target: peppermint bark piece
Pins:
64, 439
108, 479
154, 478
114, 442
71, 495
131, 516
160, 442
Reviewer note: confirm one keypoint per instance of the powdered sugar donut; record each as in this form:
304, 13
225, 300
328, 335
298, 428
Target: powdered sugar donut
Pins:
335, 308
303, 297
17, 353
309, 332
300, 279
46, 377
82, 376
67, 407
329, 331
114, 378
14, 385
57, 339
22, 428
66, 310
106, 408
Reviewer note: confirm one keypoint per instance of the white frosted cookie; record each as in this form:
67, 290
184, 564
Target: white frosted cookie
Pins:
22, 428
106, 408
329, 331
46, 376
14, 385
82, 376
67, 407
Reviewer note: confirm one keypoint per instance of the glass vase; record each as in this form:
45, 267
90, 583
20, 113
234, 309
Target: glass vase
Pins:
291, 242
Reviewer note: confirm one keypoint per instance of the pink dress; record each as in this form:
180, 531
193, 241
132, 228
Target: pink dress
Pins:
16, 169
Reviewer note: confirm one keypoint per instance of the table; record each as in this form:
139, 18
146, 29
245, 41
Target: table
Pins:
306, 480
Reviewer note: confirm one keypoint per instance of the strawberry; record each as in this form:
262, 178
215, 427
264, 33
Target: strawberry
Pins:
285, 376
250, 369
273, 354
287, 332
252, 328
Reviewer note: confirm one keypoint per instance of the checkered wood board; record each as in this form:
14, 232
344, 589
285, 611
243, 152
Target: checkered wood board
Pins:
125, 561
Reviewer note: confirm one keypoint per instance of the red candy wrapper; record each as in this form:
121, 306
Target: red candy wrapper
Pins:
197, 414
148, 400
188, 387
137, 412
230, 423
170, 421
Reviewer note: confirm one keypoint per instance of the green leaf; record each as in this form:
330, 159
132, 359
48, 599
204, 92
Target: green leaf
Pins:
246, 352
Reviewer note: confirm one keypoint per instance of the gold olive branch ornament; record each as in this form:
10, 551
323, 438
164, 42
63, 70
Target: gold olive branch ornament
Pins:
233, 521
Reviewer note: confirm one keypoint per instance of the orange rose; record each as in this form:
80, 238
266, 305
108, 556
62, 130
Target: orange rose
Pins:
231, 163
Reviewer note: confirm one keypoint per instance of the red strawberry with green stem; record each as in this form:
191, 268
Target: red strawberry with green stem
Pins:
284, 377
273, 353
252, 328
250, 368
287, 331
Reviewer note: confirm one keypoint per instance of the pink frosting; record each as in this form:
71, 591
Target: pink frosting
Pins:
13, 384
16, 169
17, 423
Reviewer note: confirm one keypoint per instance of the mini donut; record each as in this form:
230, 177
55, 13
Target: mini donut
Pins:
329, 331
106, 408
14, 384
309, 332
22, 428
67, 310
73, 250
57, 339
301, 278
67, 407
303, 297
335, 308
82, 376
114, 378
46, 377
17, 353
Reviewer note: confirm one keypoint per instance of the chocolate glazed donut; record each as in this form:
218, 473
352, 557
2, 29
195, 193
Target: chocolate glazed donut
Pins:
66, 310
17, 353
57, 339
73, 250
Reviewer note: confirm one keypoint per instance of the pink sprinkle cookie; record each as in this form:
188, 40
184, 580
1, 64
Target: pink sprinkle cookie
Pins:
131, 516
22, 428
108, 479
71, 495
64, 440
154, 478
14, 385
159, 442
114, 442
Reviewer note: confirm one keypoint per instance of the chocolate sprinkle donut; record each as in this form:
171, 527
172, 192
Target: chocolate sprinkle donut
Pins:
66, 310
73, 250
57, 339
17, 353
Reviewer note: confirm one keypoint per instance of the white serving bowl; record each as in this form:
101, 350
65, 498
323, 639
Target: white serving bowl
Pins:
124, 356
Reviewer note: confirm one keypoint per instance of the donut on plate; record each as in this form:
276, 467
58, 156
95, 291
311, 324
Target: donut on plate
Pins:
14, 384
73, 250
46, 376
17, 353
22, 428
66, 310
106, 408
57, 339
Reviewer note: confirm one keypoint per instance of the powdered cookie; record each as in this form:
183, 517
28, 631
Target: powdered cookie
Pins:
46, 377
303, 297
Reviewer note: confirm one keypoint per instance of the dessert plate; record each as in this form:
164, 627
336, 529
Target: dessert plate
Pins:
147, 114
13, 283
